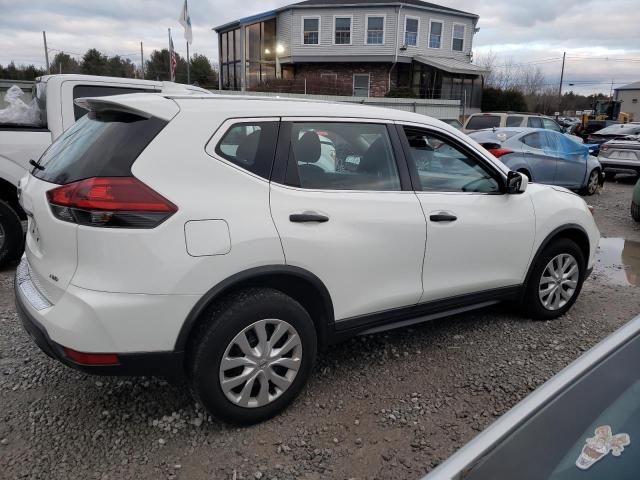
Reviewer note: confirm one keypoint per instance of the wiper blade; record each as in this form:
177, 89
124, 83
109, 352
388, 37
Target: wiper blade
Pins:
35, 164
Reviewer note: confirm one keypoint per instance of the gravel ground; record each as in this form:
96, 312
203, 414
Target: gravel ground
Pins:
391, 405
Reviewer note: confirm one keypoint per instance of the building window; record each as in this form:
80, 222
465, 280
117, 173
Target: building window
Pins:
375, 30
342, 30
458, 37
435, 35
361, 85
230, 59
411, 26
260, 53
311, 30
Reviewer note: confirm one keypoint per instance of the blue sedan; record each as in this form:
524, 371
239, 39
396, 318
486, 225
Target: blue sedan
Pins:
544, 156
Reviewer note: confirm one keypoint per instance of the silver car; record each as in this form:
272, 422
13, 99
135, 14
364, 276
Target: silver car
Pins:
544, 156
619, 156
584, 423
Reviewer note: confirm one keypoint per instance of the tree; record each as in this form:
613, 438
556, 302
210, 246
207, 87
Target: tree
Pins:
120, 67
22, 72
202, 72
497, 99
94, 63
157, 67
64, 63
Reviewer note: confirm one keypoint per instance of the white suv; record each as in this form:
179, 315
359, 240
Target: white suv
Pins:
199, 238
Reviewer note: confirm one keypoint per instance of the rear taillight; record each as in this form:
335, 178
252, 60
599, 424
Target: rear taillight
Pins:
499, 152
123, 202
604, 147
82, 358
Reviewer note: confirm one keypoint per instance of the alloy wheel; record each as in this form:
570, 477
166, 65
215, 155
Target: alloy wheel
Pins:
260, 363
592, 186
559, 281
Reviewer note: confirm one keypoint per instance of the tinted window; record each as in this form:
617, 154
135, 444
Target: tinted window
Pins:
81, 91
101, 144
514, 121
551, 125
444, 167
534, 122
602, 408
478, 122
250, 146
342, 156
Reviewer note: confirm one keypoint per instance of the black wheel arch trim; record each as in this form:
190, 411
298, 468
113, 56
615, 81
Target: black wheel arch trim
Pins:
251, 274
549, 238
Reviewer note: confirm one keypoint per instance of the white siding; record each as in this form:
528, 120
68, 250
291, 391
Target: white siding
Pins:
290, 32
627, 97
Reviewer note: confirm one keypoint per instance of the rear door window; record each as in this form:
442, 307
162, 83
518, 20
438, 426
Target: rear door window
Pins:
551, 125
81, 91
100, 144
478, 122
534, 122
251, 146
514, 121
342, 156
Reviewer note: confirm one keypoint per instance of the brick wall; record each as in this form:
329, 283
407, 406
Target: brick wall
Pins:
342, 83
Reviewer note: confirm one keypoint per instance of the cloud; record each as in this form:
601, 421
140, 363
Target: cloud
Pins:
523, 30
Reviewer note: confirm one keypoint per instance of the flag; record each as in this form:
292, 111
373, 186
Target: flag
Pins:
173, 63
185, 21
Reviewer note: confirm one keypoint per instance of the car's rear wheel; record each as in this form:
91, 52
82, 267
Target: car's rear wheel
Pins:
252, 356
11, 235
555, 281
635, 211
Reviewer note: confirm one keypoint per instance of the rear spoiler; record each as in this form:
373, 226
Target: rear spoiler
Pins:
145, 105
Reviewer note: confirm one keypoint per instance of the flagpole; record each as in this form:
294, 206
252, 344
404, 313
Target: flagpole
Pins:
188, 66
169, 30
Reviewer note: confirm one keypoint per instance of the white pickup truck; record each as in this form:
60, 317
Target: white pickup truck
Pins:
51, 113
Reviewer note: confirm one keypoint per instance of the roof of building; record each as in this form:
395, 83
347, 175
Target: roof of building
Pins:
631, 86
343, 3
451, 65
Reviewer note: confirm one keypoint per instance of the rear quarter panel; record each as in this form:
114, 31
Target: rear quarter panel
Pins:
156, 261
19, 146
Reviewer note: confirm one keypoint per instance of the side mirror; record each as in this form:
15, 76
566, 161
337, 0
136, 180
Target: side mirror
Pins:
516, 182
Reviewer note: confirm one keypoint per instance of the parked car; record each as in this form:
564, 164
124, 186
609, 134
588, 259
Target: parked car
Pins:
481, 121
583, 423
635, 202
620, 156
231, 268
26, 130
614, 132
544, 156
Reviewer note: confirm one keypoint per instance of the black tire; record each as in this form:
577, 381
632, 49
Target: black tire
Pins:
532, 305
635, 211
13, 245
226, 320
609, 175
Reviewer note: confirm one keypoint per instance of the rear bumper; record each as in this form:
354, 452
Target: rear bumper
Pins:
615, 164
168, 364
161, 364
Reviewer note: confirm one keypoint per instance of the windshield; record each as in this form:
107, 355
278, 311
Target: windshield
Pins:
591, 431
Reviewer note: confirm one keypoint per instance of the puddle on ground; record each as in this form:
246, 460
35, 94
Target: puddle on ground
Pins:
618, 260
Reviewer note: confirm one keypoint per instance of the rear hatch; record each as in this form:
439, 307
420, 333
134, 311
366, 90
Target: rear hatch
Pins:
85, 178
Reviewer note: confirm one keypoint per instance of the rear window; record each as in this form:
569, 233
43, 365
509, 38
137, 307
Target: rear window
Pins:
101, 144
534, 122
81, 91
479, 122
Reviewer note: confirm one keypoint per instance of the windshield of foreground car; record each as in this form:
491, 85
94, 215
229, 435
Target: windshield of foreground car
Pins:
591, 431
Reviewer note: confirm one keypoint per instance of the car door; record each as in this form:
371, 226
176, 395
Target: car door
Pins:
538, 155
478, 238
572, 157
358, 227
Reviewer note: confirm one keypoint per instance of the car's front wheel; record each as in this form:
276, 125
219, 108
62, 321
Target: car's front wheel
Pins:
593, 182
555, 281
252, 356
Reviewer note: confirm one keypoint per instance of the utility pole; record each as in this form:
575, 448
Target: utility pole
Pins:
564, 56
141, 61
46, 50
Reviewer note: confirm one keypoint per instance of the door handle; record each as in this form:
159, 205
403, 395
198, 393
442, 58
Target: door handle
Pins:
443, 217
308, 217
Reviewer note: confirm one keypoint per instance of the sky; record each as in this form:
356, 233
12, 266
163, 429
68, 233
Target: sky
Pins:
601, 37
